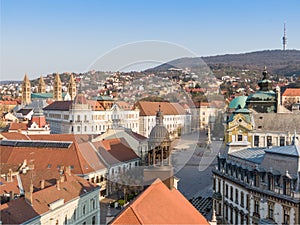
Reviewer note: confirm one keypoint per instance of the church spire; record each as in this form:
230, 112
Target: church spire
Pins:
57, 88
72, 87
41, 85
26, 91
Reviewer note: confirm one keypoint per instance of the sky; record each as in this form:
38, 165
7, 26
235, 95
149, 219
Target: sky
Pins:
48, 36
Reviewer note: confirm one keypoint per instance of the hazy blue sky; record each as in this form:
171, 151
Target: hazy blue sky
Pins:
40, 37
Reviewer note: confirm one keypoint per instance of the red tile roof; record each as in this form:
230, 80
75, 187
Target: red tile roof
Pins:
14, 136
151, 108
160, 205
18, 126
291, 92
115, 151
95, 105
19, 211
59, 106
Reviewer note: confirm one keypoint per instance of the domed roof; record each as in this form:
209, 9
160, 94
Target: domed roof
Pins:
238, 101
80, 99
262, 96
159, 133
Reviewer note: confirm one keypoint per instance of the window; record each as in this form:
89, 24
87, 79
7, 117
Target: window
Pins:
66, 220
242, 199
256, 206
226, 191
83, 210
93, 204
286, 186
271, 211
78, 128
240, 137
78, 118
271, 182
282, 141
236, 195
231, 193
269, 140
256, 140
93, 220
286, 216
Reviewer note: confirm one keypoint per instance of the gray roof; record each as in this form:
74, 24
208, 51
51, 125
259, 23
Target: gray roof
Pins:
277, 122
255, 155
291, 150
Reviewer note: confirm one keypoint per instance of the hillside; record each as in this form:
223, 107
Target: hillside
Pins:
277, 61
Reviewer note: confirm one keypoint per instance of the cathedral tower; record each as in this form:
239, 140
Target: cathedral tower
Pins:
41, 85
72, 87
57, 88
26, 91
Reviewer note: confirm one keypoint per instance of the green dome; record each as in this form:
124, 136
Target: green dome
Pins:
262, 96
238, 101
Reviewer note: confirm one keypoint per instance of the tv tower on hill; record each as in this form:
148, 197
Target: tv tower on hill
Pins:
284, 38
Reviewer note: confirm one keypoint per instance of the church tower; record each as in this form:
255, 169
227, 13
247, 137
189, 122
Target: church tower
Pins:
158, 160
57, 88
26, 91
72, 87
41, 85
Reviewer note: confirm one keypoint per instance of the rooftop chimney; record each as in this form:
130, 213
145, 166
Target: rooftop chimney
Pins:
28, 194
58, 184
68, 170
42, 184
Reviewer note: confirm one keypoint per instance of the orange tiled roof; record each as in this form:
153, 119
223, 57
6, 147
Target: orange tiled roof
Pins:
18, 126
115, 151
14, 136
95, 105
160, 205
291, 92
8, 102
19, 211
167, 108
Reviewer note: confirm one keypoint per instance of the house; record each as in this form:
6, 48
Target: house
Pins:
176, 119
36, 125
99, 162
258, 185
51, 197
82, 116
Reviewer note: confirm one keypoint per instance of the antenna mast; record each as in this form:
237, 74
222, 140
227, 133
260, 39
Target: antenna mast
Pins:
284, 38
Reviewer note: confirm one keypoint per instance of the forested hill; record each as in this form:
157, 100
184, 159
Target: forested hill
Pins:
277, 61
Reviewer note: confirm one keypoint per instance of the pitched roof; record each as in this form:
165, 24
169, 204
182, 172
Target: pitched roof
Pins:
265, 121
291, 92
114, 151
59, 106
24, 111
167, 108
14, 136
56, 156
160, 205
18, 126
95, 105
19, 211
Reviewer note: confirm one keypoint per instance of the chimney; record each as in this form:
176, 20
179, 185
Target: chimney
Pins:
42, 184
28, 195
68, 170
9, 177
58, 184
62, 178
11, 195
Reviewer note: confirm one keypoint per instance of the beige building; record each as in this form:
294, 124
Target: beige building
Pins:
258, 185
